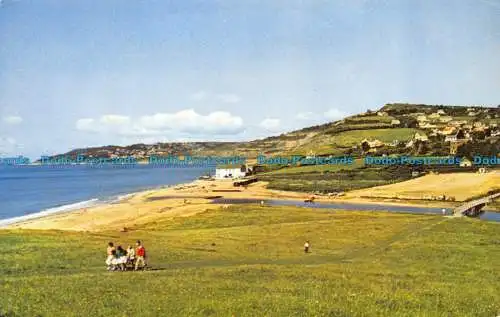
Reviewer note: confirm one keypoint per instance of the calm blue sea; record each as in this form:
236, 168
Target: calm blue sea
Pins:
30, 191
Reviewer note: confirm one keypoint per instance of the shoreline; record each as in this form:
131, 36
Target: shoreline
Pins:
77, 206
181, 200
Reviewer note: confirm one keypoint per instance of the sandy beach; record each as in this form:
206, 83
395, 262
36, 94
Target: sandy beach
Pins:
180, 201
142, 207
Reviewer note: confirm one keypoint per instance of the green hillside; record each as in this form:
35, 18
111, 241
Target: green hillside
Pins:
393, 122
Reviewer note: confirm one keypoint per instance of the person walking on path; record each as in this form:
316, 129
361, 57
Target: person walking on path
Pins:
140, 253
306, 247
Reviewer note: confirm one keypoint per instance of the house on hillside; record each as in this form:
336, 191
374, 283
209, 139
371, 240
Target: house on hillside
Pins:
479, 124
450, 138
422, 118
447, 130
394, 143
382, 113
310, 154
417, 137
465, 162
434, 115
373, 144
459, 136
457, 123
230, 171
427, 125
420, 137
455, 143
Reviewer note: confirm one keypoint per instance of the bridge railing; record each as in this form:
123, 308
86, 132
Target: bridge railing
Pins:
463, 208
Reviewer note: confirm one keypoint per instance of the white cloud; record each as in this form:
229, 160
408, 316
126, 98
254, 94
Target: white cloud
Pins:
185, 121
270, 124
228, 98
218, 122
335, 114
12, 119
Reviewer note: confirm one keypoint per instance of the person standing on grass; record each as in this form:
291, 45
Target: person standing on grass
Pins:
306, 247
130, 255
140, 253
109, 251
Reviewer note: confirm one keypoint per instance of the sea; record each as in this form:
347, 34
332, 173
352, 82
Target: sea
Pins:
28, 192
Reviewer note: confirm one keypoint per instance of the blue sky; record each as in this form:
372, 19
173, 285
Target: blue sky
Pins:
88, 73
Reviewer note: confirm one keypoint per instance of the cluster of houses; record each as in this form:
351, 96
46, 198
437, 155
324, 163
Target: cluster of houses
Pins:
138, 153
456, 132
374, 145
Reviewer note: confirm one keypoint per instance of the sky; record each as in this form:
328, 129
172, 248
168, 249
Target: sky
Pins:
75, 74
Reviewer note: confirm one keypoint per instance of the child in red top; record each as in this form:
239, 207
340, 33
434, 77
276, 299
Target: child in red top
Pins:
140, 253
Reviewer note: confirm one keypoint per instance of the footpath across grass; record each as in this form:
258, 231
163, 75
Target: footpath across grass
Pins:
248, 261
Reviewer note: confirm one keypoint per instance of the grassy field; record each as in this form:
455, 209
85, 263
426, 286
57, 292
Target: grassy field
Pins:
248, 261
317, 168
337, 143
374, 118
335, 177
384, 135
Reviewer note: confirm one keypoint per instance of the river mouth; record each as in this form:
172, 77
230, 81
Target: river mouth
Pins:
488, 216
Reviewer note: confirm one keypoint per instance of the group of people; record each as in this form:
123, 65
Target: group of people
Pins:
120, 259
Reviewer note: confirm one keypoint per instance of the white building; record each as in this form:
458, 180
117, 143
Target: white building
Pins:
465, 162
230, 172
450, 138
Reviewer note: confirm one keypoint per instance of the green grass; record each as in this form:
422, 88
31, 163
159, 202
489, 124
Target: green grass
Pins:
335, 178
324, 186
338, 143
248, 261
374, 118
384, 135
317, 168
